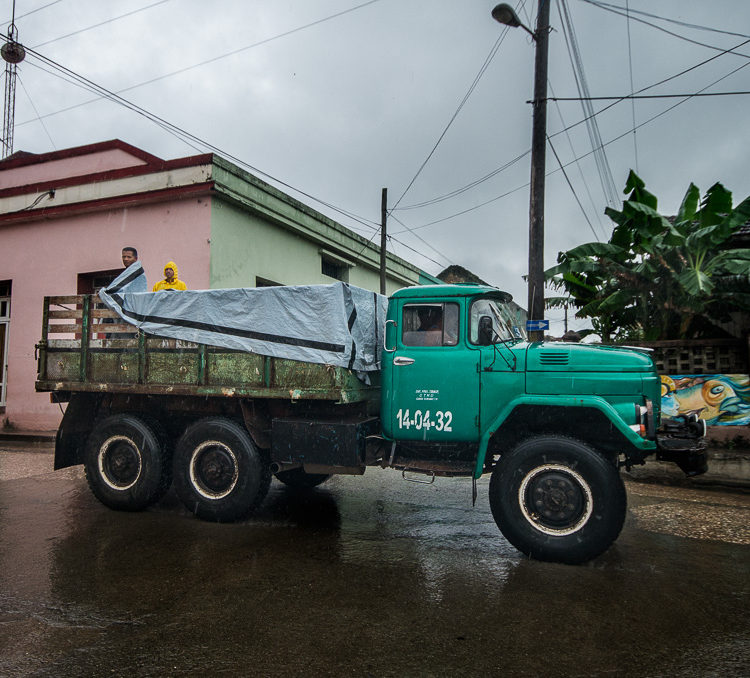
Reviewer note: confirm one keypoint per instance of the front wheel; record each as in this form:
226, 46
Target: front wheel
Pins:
556, 499
218, 472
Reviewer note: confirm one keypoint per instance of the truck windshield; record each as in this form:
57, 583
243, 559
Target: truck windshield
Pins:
492, 320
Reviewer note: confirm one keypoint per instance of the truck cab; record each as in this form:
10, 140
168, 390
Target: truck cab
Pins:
457, 369
464, 393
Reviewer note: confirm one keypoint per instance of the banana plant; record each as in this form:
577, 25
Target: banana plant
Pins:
660, 277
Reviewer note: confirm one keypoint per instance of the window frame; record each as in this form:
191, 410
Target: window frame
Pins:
418, 338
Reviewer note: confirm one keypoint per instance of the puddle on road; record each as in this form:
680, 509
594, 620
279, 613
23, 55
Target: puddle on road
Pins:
362, 576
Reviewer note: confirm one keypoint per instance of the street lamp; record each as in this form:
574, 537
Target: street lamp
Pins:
505, 14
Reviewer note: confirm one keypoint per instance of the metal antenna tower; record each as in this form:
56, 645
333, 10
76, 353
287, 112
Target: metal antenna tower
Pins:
13, 53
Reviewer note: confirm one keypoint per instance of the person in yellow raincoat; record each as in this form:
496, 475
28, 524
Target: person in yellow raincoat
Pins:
170, 282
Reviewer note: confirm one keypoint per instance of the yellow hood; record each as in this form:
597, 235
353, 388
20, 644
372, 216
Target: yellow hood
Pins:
173, 266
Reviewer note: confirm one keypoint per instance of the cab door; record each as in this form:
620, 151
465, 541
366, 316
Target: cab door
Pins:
431, 381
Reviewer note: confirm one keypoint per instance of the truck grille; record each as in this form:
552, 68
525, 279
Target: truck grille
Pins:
553, 358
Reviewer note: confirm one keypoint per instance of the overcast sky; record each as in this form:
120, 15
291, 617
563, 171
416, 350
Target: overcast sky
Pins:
340, 98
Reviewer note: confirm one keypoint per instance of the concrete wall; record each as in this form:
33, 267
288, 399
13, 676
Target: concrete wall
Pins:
718, 399
258, 231
73, 166
246, 246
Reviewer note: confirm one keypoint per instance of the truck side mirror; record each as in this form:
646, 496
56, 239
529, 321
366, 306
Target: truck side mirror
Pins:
485, 331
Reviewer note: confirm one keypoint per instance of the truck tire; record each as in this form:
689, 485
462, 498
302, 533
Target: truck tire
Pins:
219, 474
556, 499
300, 480
127, 465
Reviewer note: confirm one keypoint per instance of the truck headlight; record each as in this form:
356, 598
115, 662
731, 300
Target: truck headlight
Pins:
641, 418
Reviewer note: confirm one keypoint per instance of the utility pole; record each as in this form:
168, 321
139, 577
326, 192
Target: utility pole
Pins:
505, 14
383, 218
538, 160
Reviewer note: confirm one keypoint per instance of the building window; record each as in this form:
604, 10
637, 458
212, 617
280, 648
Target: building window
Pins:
334, 269
264, 282
91, 283
333, 265
5, 286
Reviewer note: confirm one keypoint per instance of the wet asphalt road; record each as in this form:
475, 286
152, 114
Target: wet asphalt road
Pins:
364, 576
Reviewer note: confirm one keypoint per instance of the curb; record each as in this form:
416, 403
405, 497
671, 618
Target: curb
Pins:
727, 470
27, 436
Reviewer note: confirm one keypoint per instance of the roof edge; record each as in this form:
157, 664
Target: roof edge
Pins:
113, 144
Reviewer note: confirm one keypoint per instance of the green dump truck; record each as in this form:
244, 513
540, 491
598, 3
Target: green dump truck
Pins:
460, 392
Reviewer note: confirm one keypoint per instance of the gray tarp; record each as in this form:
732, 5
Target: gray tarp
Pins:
336, 324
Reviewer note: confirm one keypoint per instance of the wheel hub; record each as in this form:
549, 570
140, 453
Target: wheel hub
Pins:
119, 462
555, 499
214, 469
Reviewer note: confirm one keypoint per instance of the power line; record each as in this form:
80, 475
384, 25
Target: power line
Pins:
580, 157
632, 88
573, 190
470, 209
44, 127
608, 8
184, 135
468, 186
38, 9
627, 9
421, 254
578, 165
592, 125
661, 82
219, 57
424, 203
173, 129
472, 87
564, 131
624, 97
422, 240
101, 23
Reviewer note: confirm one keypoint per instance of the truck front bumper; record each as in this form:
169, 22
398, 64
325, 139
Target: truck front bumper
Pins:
682, 440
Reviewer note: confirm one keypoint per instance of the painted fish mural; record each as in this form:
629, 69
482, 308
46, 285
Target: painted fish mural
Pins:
719, 399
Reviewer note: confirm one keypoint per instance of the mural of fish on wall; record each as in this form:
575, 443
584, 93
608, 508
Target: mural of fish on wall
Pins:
719, 399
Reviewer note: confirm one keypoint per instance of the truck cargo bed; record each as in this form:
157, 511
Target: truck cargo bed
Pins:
86, 347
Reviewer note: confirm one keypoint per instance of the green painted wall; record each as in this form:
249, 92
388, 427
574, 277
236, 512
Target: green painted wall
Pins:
260, 232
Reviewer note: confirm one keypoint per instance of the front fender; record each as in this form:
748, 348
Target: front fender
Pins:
591, 402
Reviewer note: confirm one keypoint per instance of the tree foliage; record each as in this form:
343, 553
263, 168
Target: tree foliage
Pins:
657, 277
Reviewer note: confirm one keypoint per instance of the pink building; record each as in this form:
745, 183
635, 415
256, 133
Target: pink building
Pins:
65, 216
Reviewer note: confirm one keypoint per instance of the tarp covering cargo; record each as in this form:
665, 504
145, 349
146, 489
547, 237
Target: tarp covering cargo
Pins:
336, 324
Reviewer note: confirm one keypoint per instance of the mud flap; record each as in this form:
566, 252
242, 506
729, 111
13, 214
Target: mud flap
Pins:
74, 429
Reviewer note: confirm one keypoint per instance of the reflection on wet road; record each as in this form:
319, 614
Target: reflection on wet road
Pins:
364, 576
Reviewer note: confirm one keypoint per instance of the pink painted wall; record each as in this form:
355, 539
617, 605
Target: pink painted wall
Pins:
90, 163
44, 258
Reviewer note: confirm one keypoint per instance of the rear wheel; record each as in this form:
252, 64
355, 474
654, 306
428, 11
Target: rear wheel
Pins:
126, 462
556, 499
300, 480
218, 472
